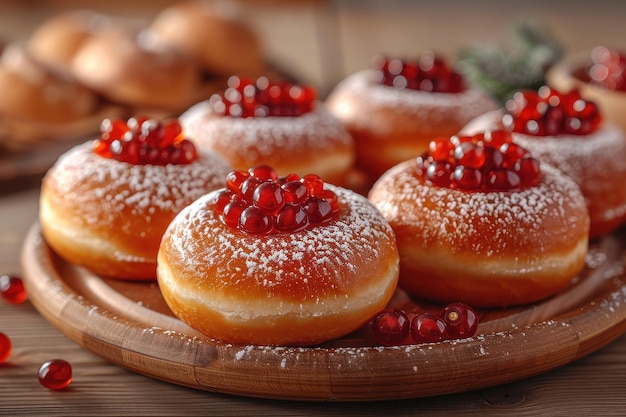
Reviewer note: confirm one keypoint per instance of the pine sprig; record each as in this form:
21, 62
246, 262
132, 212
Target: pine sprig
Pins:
500, 70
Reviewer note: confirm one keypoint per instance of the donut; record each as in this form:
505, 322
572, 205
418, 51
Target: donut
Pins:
573, 137
105, 203
56, 41
480, 221
599, 75
275, 123
212, 33
394, 109
36, 93
129, 67
249, 265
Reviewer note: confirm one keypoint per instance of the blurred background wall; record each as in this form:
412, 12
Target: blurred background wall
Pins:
322, 41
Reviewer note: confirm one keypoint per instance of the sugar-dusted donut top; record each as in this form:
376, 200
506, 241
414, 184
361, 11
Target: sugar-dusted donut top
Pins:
517, 223
425, 107
263, 138
327, 261
598, 155
601, 154
104, 193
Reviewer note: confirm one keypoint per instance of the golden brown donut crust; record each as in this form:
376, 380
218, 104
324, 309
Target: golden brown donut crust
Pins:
36, 93
109, 216
485, 249
391, 125
281, 289
315, 142
213, 33
595, 162
129, 67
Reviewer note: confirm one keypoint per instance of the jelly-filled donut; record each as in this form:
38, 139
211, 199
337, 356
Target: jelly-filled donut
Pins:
214, 34
568, 132
129, 67
478, 220
394, 109
277, 260
106, 203
275, 123
37, 94
599, 75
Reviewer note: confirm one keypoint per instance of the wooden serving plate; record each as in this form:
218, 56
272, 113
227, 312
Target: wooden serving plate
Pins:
129, 324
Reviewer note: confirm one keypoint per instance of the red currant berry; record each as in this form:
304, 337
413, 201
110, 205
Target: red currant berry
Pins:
235, 179
461, 320
55, 374
291, 218
269, 197
313, 183
5, 347
221, 199
12, 289
318, 210
295, 191
232, 212
254, 220
263, 172
390, 327
428, 328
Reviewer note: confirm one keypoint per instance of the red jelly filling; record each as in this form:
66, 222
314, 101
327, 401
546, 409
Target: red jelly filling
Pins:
142, 141
429, 72
258, 201
548, 112
488, 161
263, 98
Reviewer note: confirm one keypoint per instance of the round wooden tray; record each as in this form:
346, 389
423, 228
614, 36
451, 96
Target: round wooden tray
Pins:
128, 323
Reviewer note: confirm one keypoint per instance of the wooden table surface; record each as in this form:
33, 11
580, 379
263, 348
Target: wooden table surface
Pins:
594, 385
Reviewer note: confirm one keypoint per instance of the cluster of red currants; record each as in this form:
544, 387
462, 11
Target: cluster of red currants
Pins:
393, 327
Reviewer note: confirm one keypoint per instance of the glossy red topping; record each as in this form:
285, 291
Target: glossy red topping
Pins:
428, 72
392, 327
55, 374
263, 98
258, 201
142, 141
461, 320
428, 328
5, 347
548, 112
608, 68
488, 161
12, 289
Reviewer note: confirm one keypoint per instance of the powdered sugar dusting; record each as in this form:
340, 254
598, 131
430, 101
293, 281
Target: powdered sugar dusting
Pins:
330, 253
102, 189
593, 161
260, 137
487, 220
425, 107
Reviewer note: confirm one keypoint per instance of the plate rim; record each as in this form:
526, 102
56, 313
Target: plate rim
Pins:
332, 373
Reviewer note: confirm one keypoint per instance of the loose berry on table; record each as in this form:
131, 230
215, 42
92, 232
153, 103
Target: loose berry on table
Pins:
5, 347
55, 374
12, 289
